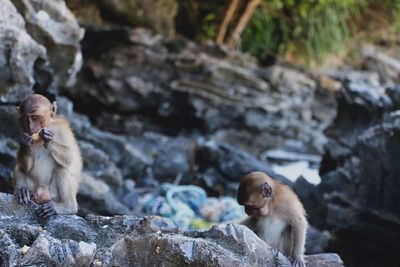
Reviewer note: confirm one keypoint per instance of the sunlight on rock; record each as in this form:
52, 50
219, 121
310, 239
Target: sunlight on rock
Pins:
294, 170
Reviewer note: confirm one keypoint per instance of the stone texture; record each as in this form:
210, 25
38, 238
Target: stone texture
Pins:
360, 176
53, 25
125, 240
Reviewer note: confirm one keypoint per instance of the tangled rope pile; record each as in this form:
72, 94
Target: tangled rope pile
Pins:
190, 208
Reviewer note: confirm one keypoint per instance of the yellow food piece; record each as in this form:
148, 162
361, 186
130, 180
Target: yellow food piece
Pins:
35, 137
24, 249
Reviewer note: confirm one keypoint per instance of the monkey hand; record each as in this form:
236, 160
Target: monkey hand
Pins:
46, 210
26, 140
46, 135
298, 262
23, 196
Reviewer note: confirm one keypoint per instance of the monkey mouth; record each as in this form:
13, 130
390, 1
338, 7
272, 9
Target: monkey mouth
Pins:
252, 211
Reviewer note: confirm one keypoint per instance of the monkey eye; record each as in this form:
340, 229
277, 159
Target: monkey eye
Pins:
34, 117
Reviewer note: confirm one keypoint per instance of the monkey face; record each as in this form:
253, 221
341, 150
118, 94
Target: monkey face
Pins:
35, 113
255, 193
32, 123
256, 211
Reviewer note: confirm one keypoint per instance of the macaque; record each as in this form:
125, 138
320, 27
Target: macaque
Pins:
276, 215
49, 164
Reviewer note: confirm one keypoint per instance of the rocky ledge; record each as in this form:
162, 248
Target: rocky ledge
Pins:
66, 240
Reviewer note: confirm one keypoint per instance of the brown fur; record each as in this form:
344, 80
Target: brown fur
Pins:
51, 170
279, 219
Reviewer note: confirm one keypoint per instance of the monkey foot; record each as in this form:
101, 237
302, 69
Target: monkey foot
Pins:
46, 210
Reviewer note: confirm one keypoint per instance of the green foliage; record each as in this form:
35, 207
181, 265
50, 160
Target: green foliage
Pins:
304, 30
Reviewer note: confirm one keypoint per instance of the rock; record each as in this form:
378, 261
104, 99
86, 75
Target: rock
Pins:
19, 54
311, 198
98, 164
225, 164
40, 48
316, 241
10, 126
53, 25
324, 260
159, 16
178, 87
70, 227
150, 241
360, 182
386, 65
52, 252
360, 106
154, 14
96, 197
7, 163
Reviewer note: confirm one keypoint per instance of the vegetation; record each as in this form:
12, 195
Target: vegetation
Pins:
304, 31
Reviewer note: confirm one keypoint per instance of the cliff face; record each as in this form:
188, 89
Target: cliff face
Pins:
155, 110
149, 100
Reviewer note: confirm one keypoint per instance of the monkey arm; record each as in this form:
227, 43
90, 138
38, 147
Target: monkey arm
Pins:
21, 179
22, 186
61, 154
67, 186
298, 238
63, 147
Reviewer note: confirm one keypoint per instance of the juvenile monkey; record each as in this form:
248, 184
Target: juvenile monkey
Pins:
276, 215
49, 164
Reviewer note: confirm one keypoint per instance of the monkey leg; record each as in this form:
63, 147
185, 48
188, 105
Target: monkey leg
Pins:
46, 210
67, 188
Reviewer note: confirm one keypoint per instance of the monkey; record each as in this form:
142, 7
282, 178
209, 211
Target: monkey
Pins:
49, 163
276, 214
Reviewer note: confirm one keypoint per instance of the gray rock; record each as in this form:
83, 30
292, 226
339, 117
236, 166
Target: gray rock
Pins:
227, 164
360, 177
324, 260
70, 227
19, 54
154, 14
127, 240
98, 164
54, 26
178, 87
8, 151
97, 197
48, 251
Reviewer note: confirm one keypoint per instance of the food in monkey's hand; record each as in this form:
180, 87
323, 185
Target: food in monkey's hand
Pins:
35, 137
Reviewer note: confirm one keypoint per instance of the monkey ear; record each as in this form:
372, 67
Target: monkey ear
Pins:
266, 190
54, 111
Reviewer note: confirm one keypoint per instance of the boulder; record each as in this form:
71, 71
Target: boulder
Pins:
53, 25
158, 15
125, 240
360, 181
19, 55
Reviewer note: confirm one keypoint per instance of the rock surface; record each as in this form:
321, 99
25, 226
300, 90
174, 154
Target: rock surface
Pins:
144, 82
39, 48
125, 240
360, 181
158, 15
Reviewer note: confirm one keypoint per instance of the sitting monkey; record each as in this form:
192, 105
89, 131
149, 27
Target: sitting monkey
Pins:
49, 164
276, 215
